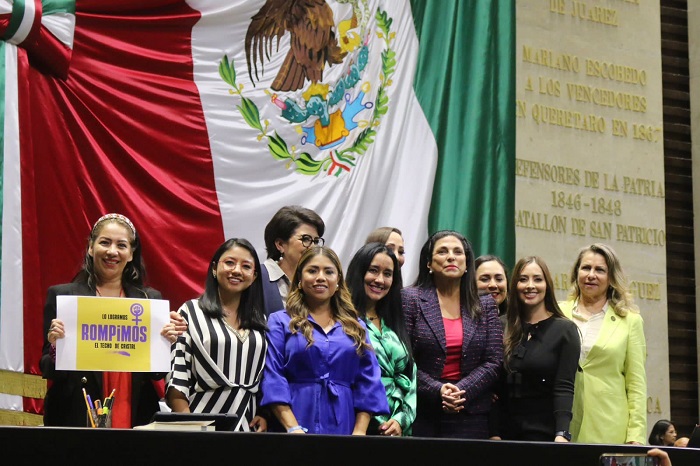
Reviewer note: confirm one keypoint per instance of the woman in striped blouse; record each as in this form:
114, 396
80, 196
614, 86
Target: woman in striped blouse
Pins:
218, 363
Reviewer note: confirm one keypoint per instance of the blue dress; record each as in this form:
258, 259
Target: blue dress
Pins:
325, 384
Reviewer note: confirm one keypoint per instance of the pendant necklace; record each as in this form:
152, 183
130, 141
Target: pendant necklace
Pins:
242, 335
121, 292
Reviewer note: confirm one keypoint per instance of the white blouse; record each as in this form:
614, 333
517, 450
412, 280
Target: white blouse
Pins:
589, 327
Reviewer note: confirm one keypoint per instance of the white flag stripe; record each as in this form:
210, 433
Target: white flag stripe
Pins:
390, 185
11, 308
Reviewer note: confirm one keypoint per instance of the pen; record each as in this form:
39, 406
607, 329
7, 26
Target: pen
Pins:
98, 407
86, 396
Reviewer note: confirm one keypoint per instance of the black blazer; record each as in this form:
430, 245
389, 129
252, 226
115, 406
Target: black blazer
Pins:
64, 404
273, 300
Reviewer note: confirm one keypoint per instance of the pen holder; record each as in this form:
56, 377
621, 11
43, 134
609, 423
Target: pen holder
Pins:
100, 420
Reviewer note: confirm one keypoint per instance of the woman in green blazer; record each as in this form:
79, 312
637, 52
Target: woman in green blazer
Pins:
611, 387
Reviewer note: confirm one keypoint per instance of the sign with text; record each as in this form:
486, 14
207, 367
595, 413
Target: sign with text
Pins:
113, 334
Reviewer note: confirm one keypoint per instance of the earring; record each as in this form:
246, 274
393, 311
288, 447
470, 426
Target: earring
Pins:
213, 273
430, 271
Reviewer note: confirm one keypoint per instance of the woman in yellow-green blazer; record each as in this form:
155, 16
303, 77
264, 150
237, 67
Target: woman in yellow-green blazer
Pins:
611, 387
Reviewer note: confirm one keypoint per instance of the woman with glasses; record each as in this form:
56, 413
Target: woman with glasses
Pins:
218, 362
290, 232
321, 374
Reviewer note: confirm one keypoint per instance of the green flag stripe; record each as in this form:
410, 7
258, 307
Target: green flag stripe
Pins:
465, 82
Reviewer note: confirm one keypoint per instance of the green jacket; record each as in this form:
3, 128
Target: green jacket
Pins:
611, 387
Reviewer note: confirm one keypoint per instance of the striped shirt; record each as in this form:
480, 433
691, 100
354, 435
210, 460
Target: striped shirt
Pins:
214, 369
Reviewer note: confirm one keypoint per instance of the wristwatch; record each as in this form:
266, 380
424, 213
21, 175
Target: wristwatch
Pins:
564, 433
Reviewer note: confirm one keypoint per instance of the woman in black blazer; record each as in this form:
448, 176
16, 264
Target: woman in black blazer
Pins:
112, 268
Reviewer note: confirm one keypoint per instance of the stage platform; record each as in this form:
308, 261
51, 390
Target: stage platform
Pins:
52, 445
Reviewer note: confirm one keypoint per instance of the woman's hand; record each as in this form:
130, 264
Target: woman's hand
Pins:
56, 331
452, 398
258, 424
664, 460
176, 327
391, 428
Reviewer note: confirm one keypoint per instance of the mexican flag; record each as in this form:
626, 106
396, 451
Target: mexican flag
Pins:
199, 119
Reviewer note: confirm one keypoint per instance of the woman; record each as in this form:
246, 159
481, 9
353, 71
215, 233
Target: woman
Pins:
457, 341
374, 279
321, 374
610, 392
492, 278
217, 364
541, 351
112, 267
290, 232
663, 434
392, 237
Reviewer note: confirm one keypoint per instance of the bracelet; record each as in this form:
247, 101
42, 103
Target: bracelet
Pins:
563, 433
295, 428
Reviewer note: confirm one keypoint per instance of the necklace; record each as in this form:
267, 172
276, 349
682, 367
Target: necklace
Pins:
242, 335
328, 325
121, 292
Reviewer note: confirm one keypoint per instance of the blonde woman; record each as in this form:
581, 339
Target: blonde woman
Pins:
610, 390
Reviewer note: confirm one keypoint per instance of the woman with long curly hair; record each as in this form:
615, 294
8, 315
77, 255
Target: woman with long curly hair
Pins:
321, 375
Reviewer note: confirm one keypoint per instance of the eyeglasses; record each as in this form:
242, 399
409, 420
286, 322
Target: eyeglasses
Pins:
228, 265
308, 240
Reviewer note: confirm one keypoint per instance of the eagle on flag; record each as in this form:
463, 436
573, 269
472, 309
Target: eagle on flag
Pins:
313, 42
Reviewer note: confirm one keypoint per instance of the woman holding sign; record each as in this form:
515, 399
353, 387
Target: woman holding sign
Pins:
218, 363
112, 268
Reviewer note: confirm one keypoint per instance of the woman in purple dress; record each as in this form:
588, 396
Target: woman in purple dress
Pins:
321, 374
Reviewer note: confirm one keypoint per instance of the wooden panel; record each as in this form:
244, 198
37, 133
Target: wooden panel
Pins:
680, 259
19, 418
17, 383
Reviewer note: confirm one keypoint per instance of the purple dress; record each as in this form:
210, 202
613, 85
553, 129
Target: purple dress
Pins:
325, 384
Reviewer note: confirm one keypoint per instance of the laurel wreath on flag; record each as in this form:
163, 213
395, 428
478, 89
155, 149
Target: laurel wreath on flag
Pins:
337, 161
